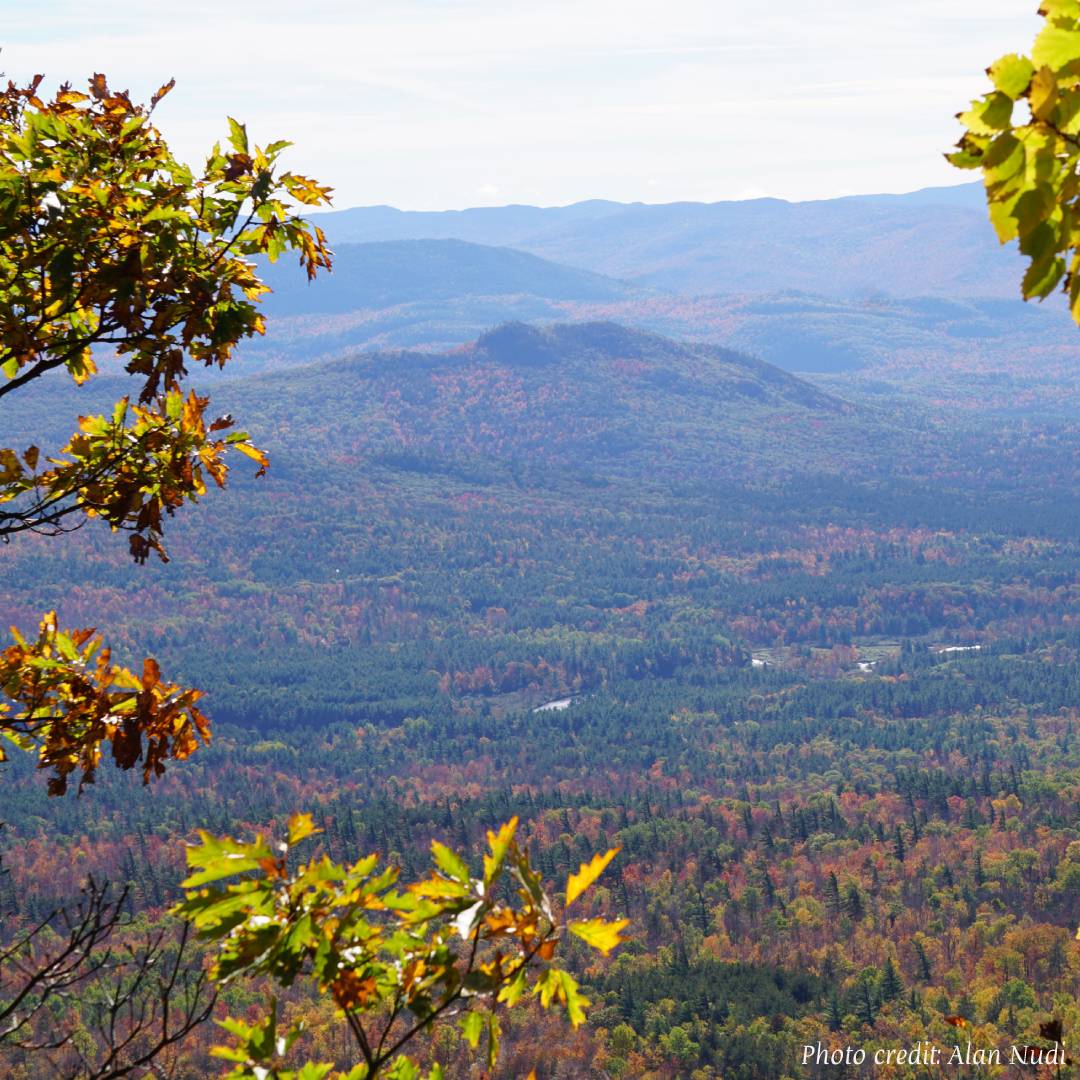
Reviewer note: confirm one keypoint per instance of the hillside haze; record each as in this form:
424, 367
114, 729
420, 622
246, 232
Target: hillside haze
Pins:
392, 273
578, 396
929, 242
899, 294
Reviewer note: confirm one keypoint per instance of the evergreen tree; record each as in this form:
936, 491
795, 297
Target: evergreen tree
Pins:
890, 986
853, 902
833, 903
835, 1015
925, 971
866, 1001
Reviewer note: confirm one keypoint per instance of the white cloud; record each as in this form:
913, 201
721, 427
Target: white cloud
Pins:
452, 102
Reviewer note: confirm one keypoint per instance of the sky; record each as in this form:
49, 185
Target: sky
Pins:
441, 104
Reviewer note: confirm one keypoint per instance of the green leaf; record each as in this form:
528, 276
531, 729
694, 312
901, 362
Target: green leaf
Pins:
65, 646
472, 1027
1057, 48
449, 862
1074, 308
1003, 163
989, 115
1001, 217
276, 147
311, 1071
965, 159
1033, 208
1042, 277
555, 985
217, 913
402, 1068
238, 136
166, 213
494, 1031
1011, 74
438, 888
1068, 112
222, 857
1041, 243
511, 992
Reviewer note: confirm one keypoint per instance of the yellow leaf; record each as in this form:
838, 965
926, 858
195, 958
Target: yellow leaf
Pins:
438, 888
1044, 94
499, 844
254, 453
577, 883
301, 826
600, 934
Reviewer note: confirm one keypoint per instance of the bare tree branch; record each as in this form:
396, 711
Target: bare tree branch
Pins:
129, 1003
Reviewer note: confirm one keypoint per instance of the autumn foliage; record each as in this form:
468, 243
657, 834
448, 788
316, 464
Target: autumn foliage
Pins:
108, 244
67, 700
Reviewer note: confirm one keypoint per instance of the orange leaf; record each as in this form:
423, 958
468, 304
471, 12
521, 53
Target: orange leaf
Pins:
151, 673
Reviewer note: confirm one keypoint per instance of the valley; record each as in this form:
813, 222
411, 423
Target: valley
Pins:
587, 517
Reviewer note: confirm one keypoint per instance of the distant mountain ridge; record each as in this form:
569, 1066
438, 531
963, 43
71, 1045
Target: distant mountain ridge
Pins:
440, 294
382, 274
934, 242
895, 293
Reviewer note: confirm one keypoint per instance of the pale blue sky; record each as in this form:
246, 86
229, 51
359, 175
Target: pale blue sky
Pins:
431, 104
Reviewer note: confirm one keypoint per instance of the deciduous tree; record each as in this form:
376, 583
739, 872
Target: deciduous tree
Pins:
112, 251
111, 246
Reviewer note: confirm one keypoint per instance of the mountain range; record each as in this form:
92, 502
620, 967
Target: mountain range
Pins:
907, 294
931, 242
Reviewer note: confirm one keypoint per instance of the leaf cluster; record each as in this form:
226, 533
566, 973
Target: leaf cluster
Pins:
395, 958
65, 700
1025, 137
108, 243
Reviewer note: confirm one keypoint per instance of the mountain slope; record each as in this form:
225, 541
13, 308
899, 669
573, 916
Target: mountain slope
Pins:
932, 242
430, 294
570, 397
382, 275
976, 354
594, 398
435, 295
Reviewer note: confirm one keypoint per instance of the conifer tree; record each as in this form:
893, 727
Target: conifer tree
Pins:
890, 986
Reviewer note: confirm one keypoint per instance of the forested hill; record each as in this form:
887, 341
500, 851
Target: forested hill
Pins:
932, 242
805, 286
581, 396
382, 275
